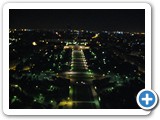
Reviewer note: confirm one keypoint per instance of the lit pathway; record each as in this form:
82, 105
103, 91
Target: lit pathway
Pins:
81, 91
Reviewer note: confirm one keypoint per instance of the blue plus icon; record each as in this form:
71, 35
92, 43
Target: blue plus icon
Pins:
147, 99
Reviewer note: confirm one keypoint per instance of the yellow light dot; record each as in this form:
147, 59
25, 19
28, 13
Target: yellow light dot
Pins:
15, 85
34, 43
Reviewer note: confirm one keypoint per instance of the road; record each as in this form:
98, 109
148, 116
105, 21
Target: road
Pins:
82, 94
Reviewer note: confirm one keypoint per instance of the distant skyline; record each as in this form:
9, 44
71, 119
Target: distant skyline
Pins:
91, 19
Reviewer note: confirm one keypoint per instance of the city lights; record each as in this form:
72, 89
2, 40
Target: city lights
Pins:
70, 67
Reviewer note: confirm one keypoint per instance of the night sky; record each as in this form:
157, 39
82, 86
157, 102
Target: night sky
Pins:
104, 19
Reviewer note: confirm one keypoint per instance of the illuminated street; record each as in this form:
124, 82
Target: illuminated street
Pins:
74, 59
82, 93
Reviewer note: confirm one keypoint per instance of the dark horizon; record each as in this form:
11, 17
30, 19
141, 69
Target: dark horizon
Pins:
131, 20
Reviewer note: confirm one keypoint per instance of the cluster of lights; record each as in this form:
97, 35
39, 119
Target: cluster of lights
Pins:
82, 59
